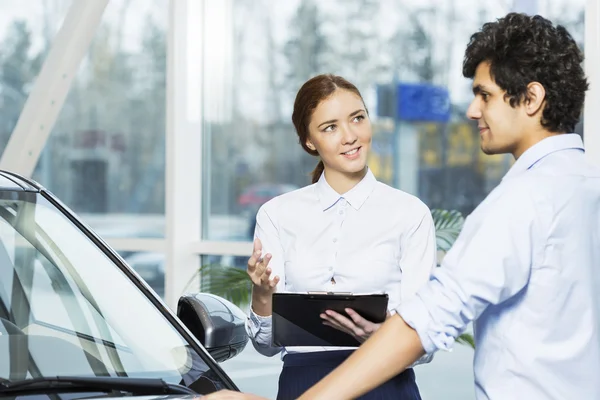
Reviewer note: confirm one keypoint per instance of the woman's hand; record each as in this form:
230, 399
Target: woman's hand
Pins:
356, 326
260, 273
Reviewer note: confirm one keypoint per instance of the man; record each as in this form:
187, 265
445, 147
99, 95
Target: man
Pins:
526, 265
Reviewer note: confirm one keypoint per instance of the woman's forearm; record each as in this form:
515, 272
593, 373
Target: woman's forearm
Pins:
262, 303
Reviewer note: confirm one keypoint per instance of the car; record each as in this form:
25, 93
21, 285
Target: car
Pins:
256, 195
77, 322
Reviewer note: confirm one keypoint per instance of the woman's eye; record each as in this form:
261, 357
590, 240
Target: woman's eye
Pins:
359, 118
329, 128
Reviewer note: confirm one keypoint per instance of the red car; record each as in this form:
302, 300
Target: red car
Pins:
255, 196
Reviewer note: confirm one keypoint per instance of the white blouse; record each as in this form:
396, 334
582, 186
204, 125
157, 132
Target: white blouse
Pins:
372, 239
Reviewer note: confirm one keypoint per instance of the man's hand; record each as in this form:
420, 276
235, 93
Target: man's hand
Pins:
357, 326
231, 395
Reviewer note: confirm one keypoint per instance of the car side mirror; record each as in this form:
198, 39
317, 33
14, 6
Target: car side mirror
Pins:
217, 323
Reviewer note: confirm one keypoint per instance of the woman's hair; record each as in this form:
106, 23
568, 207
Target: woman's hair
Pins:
308, 98
523, 49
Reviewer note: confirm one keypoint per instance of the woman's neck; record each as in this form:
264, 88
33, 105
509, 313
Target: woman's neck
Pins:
343, 182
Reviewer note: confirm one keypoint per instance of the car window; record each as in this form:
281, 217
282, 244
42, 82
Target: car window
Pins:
80, 313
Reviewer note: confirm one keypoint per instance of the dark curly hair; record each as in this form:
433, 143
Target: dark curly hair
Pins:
523, 49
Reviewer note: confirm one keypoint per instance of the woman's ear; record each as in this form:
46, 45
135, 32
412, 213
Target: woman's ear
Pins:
310, 145
536, 95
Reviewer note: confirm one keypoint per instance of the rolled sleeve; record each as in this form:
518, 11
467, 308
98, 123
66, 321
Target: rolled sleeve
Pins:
489, 263
257, 324
416, 314
259, 330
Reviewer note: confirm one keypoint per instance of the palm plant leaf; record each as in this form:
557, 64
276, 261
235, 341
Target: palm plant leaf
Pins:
466, 339
230, 283
448, 224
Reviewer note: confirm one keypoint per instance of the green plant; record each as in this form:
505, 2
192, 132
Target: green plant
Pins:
448, 224
233, 283
447, 227
230, 283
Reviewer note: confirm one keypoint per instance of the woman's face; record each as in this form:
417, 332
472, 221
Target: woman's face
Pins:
340, 131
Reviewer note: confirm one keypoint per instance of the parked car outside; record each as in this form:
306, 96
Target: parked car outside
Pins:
256, 195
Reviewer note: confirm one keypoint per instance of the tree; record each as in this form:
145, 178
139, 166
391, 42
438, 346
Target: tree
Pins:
18, 70
146, 148
308, 49
308, 52
359, 44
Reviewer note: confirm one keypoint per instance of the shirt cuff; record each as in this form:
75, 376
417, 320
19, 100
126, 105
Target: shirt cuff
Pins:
416, 314
257, 323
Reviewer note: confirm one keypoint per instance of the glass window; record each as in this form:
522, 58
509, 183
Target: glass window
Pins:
264, 54
150, 267
105, 157
266, 50
27, 29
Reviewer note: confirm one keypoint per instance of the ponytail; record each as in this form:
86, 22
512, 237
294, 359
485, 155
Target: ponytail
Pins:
316, 174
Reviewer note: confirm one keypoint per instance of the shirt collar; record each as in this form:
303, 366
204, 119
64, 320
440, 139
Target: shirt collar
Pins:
543, 148
355, 196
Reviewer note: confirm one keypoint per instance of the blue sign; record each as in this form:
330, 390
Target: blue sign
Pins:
422, 102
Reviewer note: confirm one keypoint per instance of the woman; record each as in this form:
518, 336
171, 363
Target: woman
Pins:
346, 232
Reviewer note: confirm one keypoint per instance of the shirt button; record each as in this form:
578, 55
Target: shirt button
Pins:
331, 268
334, 240
341, 212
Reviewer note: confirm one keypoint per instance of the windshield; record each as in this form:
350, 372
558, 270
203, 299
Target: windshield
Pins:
67, 310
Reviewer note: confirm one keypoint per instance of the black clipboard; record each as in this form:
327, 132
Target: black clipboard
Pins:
297, 320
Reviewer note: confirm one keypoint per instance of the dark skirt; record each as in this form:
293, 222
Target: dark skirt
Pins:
303, 370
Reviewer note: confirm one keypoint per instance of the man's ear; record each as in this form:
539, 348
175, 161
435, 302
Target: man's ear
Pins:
536, 95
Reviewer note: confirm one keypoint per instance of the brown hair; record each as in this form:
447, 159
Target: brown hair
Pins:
308, 98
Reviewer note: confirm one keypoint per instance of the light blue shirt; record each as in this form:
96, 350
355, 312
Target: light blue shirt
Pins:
526, 269
372, 239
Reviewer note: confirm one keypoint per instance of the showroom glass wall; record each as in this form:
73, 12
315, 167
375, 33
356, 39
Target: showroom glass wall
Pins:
107, 154
258, 53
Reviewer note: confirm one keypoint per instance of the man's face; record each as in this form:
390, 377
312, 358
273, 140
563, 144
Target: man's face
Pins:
501, 127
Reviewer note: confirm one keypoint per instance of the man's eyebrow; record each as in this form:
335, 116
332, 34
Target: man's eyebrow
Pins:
331, 121
479, 88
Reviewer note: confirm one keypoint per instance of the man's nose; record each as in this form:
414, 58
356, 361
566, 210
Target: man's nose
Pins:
474, 111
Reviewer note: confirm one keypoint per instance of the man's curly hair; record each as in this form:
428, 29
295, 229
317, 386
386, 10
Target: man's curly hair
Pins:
522, 49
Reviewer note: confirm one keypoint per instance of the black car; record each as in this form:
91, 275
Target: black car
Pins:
77, 322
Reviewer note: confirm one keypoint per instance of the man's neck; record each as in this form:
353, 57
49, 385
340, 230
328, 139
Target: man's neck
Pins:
531, 139
343, 182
